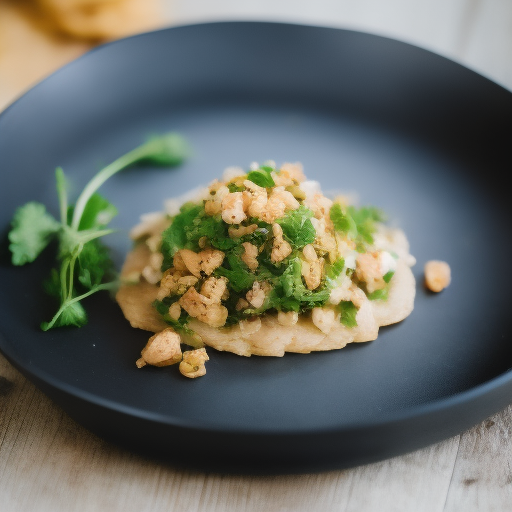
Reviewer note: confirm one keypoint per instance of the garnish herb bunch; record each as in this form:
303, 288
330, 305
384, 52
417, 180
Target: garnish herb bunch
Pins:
83, 265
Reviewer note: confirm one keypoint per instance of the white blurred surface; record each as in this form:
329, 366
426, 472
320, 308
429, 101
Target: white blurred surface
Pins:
476, 33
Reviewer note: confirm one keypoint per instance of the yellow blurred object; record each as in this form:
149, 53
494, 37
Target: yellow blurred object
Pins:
39, 36
100, 19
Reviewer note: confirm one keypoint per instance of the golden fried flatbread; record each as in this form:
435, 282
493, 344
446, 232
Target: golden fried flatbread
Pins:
272, 339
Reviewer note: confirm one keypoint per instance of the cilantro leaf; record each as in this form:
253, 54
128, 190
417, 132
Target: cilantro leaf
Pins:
211, 227
257, 237
62, 193
292, 285
94, 264
71, 314
233, 187
348, 311
52, 285
98, 212
334, 270
188, 227
168, 150
297, 227
32, 230
261, 177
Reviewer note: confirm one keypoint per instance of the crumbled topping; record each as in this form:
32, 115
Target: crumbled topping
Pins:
280, 247
437, 275
162, 349
203, 308
193, 363
263, 241
250, 255
203, 262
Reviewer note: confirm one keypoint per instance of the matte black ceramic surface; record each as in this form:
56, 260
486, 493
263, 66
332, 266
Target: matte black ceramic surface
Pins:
421, 137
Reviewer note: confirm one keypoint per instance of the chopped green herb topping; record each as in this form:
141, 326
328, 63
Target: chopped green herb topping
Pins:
236, 271
297, 227
348, 312
387, 277
233, 187
381, 294
342, 222
358, 224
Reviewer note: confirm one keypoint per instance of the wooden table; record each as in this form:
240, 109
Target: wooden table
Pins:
50, 463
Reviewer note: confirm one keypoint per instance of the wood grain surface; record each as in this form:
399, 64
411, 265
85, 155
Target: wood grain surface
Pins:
50, 463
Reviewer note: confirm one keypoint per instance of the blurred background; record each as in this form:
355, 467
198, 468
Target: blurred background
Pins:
39, 36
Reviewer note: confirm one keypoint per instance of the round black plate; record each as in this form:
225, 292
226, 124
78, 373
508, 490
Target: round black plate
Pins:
413, 133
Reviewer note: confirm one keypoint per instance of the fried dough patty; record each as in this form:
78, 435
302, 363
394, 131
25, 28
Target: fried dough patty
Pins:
273, 339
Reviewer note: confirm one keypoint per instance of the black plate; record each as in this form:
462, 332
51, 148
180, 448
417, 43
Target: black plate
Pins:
415, 134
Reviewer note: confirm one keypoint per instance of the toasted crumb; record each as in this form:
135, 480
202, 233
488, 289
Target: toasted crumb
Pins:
203, 308
437, 275
280, 248
192, 365
162, 349
249, 257
233, 208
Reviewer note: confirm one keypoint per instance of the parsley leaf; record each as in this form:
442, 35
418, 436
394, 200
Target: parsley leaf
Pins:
297, 227
32, 230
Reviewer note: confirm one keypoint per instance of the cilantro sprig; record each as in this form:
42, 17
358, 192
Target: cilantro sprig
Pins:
83, 265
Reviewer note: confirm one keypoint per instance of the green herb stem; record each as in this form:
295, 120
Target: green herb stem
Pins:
68, 302
100, 178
